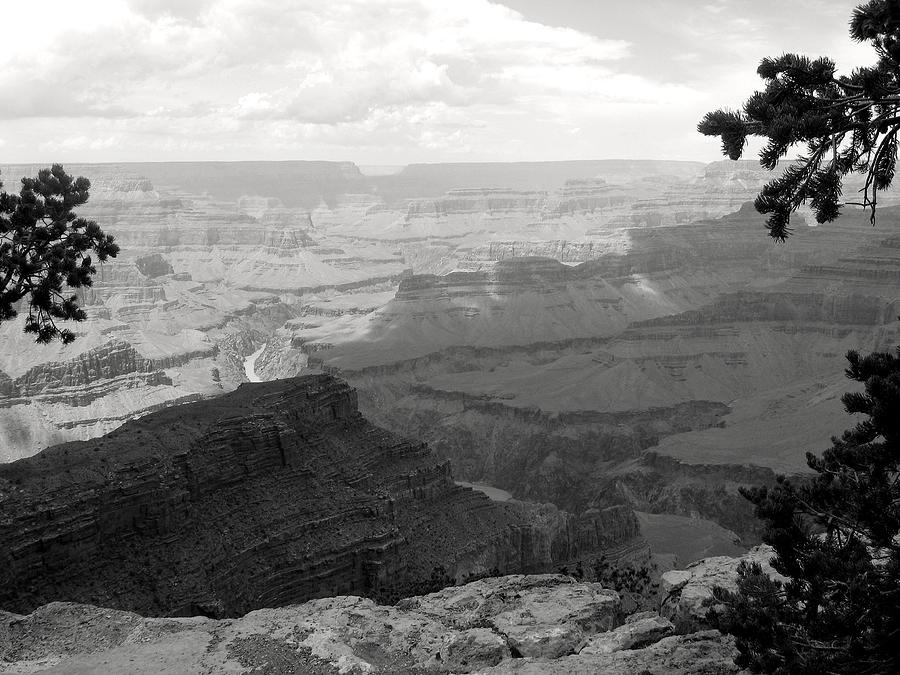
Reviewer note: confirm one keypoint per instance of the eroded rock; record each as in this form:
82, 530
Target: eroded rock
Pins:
477, 628
639, 630
543, 616
273, 494
706, 653
685, 592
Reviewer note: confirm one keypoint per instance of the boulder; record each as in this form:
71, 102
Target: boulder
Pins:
542, 615
639, 630
707, 653
528, 624
686, 592
354, 633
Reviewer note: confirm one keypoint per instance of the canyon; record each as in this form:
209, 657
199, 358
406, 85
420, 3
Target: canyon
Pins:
664, 377
592, 335
272, 494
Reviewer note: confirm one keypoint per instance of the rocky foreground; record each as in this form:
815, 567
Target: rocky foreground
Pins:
516, 624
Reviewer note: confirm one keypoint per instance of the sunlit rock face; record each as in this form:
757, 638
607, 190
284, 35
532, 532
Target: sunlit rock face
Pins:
208, 252
535, 624
274, 493
147, 344
688, 593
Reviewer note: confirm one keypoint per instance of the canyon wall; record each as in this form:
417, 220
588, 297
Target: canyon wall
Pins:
217, 257
272, 494
561, 330
666, 375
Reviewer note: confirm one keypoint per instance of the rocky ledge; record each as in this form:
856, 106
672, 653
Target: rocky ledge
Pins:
540, 624
688, 593
272, 494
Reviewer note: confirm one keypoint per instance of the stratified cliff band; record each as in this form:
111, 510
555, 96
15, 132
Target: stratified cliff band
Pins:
273, 494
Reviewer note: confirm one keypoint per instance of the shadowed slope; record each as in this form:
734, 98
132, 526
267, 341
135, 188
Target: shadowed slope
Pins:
275, 493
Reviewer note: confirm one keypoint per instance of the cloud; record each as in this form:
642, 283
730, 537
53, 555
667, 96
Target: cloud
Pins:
373, 80
80, 143
460, 54
50, 98
183, 9
424, 73
332, 63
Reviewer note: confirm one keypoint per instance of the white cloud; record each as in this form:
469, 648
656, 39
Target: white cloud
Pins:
371, 80
315, 72
80, 143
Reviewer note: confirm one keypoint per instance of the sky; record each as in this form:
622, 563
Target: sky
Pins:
390, 82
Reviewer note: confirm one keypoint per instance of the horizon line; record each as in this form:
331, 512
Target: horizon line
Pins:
369, 164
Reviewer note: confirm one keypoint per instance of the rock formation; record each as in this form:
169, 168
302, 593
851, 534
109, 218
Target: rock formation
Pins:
535, 624
578, 384
687, 594
216, 257
272, 494
147, 344
682, 335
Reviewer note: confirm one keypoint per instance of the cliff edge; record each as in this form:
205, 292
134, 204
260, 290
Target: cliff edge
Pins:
537, 624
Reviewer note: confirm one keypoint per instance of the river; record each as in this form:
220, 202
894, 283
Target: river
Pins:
250, 365
496, 494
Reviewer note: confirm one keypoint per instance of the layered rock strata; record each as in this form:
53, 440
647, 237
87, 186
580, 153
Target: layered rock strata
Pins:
272, 494
205, 245
145, 345
665, 375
